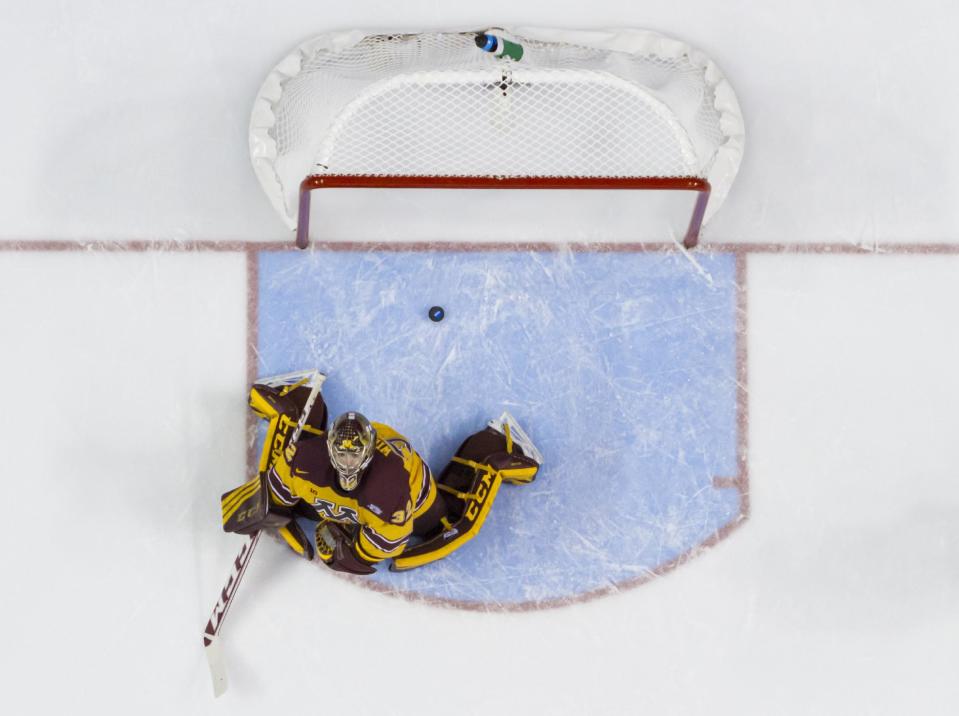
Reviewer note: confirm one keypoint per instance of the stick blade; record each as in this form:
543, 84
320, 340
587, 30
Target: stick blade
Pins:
214, 657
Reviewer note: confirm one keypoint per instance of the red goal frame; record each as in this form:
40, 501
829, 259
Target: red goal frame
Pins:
395, 181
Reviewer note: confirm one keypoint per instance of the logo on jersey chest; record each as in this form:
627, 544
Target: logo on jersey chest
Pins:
333, 511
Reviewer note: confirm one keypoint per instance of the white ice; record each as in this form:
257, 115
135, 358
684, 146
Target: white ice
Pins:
125, 376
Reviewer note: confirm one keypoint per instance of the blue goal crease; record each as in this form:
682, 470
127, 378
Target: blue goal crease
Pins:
620, 366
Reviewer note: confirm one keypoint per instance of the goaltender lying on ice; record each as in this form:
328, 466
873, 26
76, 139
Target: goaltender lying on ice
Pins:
373, 496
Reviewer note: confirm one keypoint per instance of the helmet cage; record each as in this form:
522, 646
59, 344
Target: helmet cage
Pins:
350, 441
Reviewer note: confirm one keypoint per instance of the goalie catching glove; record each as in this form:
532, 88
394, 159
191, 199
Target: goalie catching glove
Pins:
334, 546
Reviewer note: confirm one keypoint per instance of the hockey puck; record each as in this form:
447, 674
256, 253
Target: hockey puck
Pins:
436, 314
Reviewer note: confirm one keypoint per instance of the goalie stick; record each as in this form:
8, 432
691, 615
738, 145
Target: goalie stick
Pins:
211, 643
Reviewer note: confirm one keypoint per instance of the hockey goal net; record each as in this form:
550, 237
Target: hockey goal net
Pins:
590, 110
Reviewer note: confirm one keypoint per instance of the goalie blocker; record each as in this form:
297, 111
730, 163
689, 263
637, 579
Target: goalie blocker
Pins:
248, 508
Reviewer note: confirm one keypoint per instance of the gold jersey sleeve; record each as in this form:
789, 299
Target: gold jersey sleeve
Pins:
377, 540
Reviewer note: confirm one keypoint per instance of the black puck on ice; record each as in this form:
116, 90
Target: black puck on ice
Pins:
436, 314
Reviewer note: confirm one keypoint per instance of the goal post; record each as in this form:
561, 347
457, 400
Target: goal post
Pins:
607, 111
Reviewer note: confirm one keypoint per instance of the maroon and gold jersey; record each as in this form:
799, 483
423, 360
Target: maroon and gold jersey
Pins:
396, 488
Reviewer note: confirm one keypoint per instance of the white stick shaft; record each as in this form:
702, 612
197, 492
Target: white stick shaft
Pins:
210, 641
307, 407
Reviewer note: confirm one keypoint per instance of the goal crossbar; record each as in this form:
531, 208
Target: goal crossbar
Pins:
376, 181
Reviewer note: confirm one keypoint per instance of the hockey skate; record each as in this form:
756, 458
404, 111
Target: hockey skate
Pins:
289, 381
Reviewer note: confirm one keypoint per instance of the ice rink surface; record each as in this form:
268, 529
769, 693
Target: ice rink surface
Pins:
127, 349
631, 355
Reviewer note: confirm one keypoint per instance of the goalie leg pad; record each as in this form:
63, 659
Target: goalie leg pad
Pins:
470, 482
496, 449
510, 428
270, 398
473, 507
282, 410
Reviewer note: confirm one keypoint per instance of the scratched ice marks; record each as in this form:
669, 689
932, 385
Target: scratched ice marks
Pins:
620, 365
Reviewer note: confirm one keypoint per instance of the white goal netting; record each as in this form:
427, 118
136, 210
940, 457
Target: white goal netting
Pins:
588, 104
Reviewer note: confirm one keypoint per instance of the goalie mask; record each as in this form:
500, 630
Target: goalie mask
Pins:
350, 441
